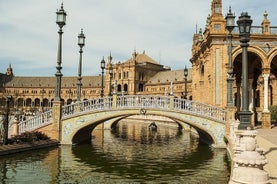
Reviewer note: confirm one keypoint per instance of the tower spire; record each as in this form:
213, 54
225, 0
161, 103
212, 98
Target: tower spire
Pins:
216, 7
110, 58
9, 71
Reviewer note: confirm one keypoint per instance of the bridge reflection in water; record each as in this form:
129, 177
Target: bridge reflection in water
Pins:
128, 154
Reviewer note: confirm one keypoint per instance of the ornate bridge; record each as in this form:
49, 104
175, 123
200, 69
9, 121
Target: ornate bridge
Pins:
78, 120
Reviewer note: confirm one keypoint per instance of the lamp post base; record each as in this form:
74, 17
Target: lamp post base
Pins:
245, 120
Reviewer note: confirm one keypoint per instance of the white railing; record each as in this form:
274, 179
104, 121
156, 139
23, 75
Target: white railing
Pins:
87, 106
142, 102
145, 102
201, 109
36, 122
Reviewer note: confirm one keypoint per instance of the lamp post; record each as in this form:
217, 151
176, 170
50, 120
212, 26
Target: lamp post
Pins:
244, 24
81, 43
6, 120
61, 18
186, 81
102, 65
230, 25
111, 74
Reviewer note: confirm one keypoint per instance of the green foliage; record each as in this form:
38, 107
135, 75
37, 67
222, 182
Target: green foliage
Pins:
28, 137
273, 111
40, 136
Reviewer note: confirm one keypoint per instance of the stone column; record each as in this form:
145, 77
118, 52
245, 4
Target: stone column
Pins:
265, 76
266, 118
250, 96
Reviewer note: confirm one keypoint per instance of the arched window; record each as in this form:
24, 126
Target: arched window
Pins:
20, 102
125, 87
69, 101
28, 102
119, 88
140, 87
37, 102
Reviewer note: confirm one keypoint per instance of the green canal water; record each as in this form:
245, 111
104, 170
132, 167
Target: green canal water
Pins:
130, 154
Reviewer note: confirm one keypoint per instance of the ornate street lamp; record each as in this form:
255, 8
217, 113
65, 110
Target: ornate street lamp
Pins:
81, 43
111, 74
230, 25
61, 19
6, 120
102, 65
186, 81
244, 24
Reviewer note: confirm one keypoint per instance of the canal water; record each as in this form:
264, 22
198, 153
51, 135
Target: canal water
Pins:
129, 154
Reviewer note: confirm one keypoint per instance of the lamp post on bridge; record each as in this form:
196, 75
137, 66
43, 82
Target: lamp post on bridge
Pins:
244, 24
186, 82
57, 103
102, 65
61, 19
81, 43
230, 25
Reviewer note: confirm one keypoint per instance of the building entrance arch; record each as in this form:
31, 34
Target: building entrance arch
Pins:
255, 71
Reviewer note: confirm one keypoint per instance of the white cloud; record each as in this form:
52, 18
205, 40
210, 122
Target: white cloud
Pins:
163, 28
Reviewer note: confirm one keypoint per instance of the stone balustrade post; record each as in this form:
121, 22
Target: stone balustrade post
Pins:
57, 114
171, 103
15, 127
230, 117
249, 162
114, 105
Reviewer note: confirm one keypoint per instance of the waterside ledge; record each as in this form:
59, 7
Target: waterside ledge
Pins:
16, 148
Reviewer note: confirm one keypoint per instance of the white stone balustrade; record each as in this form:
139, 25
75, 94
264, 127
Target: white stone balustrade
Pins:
126, 102
36, 122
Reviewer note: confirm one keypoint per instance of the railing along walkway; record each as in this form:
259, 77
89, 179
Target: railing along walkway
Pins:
141, 102
36, 122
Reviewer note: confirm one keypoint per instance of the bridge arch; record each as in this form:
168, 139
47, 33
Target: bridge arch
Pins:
79, 128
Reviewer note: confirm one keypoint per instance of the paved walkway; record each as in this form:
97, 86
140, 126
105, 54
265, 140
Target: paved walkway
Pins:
267, 139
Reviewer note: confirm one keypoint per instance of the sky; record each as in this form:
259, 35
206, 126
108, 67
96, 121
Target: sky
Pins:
161, 28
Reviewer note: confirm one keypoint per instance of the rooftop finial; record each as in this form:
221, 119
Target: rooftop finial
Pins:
134, 55
265, 15
110, 58
230, 9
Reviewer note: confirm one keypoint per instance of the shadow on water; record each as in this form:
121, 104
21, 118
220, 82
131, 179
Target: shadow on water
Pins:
135, 168
145, 155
